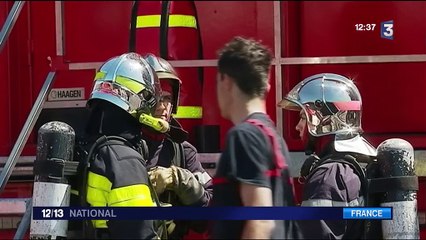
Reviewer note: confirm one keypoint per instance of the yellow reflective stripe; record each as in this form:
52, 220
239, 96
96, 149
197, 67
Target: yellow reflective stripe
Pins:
137, 195
175, 20
75, 192
98, 181
189, 112
135, 203
130, 84
99, 75
100, 223
98, 188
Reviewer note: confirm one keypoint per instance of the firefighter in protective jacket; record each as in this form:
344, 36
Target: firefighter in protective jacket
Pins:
126, 88
176, 173
330, 125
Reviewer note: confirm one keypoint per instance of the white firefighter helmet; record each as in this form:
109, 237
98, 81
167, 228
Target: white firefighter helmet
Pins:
166, 72
331, 102
128, 82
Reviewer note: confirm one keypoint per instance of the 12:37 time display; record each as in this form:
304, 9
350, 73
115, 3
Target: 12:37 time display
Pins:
365, 27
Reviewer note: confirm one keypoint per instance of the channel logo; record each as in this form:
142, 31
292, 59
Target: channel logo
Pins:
386, 30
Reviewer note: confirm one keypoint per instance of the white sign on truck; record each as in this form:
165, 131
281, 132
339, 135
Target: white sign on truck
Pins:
66, 94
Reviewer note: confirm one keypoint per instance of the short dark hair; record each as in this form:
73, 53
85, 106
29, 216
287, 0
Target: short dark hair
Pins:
248, 62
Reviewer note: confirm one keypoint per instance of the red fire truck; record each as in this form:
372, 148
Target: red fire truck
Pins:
51, 49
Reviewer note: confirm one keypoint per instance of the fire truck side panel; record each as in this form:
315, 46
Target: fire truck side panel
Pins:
390, 90
95, 31
42, 46
22, 96
385, 110
220, 22
5, 116
329, 28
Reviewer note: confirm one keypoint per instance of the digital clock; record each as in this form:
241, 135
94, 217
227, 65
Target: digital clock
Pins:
365, 27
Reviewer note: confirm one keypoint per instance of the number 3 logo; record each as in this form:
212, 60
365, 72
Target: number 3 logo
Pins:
386, 30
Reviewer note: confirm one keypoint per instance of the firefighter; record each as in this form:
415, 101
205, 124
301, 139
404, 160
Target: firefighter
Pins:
125, 88
176, 173
330, 126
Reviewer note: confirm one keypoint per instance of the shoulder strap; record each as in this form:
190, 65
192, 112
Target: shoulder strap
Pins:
115, 140
350, 160
347, 159
359, 171
279, 159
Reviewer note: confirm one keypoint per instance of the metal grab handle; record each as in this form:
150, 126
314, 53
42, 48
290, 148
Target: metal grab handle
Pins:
10, 22
26, 130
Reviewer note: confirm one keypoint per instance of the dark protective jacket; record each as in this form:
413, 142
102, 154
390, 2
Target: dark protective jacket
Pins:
117, 175
334, 183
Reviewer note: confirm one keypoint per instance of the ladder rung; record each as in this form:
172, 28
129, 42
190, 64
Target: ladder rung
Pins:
13, 206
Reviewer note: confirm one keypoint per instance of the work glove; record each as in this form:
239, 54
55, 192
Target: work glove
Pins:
161, 179
181, 181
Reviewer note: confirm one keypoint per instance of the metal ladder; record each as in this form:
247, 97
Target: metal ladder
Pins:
25, 132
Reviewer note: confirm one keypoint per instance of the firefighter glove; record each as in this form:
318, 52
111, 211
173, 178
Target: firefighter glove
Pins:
186, 186
161, 178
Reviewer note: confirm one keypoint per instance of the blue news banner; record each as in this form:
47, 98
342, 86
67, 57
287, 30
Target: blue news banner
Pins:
211, 213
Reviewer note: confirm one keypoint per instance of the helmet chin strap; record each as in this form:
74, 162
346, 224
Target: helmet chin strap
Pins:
310, 145
169, 114
314, 147
306, 168
309, 142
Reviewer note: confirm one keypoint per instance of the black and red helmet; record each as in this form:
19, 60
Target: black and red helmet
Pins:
166, 72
